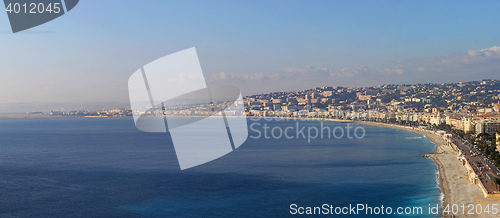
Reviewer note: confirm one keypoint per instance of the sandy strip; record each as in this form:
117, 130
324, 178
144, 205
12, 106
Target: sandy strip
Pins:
453, 178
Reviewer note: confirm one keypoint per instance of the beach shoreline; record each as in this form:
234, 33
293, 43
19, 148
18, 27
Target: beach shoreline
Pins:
442, 182
452, 175
441, 148
453, 178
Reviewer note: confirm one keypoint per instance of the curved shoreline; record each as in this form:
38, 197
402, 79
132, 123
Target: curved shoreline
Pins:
440, 148
453, 177
442, 182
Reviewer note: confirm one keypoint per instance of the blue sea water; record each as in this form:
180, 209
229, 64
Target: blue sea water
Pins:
61, 167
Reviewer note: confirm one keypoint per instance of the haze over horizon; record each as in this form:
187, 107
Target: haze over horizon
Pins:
259, 47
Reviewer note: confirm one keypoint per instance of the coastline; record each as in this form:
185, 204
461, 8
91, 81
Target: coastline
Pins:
24, 116
440, 144
452, 175
453, 178
442, 152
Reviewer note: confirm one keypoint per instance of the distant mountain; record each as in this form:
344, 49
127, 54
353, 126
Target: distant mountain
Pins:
23, 107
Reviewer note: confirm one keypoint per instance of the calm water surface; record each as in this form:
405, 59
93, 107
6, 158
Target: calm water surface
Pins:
107, 168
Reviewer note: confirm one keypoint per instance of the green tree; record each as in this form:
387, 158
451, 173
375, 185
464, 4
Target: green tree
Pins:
497, 182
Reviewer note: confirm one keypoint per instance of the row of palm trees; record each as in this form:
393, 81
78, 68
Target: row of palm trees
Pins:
497, 182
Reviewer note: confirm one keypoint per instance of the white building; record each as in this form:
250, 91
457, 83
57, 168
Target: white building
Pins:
487, 126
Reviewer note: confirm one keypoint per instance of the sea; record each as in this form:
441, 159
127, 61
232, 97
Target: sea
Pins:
105, 167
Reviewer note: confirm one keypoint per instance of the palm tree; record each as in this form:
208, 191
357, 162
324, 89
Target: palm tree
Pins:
498, 133
497, 182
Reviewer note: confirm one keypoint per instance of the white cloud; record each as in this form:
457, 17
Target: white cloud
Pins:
467, 65
457, 60
364, 70
310, 71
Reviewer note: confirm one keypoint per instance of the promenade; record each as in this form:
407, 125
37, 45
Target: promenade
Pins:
481, 170
454, 180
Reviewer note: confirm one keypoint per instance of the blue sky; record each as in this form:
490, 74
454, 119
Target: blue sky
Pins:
88, 54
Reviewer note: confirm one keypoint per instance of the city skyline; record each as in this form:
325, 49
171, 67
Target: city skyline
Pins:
469, 96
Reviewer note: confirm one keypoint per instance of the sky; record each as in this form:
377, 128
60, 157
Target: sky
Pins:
88, 54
